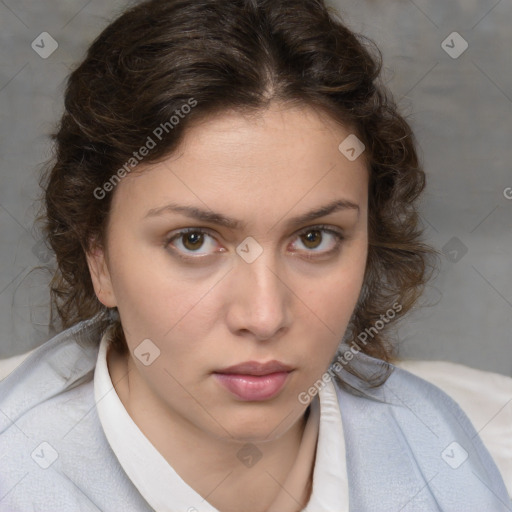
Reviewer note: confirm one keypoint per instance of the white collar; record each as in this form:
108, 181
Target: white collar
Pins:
156, 480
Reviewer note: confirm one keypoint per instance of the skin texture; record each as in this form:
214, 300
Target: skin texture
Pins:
216, 310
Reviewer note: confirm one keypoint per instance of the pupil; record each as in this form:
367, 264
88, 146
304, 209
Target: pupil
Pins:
312, 236
193, 239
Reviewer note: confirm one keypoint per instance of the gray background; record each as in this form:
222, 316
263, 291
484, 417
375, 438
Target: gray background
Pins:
460, 109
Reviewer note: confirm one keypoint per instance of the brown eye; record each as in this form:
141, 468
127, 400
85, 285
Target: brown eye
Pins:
312, 238
193, 244
192, 240
319, 241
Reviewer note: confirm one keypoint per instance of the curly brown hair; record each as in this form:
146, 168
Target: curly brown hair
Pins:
242, 55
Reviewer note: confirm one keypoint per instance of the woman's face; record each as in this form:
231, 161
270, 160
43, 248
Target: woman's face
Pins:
251, 281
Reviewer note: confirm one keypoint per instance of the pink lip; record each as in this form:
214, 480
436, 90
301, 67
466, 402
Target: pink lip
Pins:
256, 368
253, 387
253, 381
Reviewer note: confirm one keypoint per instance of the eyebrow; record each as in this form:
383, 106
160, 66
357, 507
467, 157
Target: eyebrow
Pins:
228, 222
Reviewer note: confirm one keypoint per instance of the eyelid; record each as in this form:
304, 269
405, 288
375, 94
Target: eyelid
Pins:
322, 227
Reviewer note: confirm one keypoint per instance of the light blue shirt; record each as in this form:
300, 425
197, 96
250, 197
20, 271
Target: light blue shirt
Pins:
409, 447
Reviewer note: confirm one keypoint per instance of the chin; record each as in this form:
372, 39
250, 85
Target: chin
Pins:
260, 424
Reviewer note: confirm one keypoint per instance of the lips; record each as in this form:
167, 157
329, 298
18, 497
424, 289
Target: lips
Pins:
254, 381
256, 368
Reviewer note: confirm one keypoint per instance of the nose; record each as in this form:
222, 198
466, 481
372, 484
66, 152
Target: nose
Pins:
260, 300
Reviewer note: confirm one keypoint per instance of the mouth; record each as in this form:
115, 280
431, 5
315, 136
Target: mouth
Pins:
254, 381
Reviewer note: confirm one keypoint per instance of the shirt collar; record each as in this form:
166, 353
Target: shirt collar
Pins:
156, 480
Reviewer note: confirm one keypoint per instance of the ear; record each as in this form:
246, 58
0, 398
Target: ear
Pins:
100, 275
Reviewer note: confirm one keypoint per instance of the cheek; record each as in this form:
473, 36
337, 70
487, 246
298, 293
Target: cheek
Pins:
151, 299
334, 296
330, 311
329, 306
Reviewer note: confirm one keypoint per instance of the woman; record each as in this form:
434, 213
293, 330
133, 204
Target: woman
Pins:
232, 209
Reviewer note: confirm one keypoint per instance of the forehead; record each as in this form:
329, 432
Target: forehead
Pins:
279, 133
274, 158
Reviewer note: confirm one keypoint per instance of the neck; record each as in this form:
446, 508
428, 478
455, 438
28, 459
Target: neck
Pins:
210, 465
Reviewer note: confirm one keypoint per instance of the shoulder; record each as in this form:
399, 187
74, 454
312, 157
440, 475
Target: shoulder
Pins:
420, 434
485, 397
402, 394
50, 371
52, 440
50, 390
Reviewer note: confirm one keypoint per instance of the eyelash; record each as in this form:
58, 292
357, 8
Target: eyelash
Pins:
338, 234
